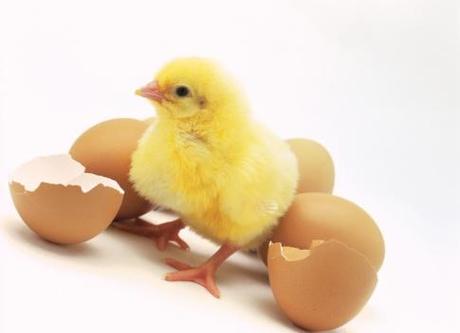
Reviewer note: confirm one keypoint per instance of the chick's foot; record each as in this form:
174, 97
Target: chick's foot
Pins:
162, 234
204, 274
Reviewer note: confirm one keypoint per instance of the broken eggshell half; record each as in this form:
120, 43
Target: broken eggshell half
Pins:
323, 287
326, 216
60, 202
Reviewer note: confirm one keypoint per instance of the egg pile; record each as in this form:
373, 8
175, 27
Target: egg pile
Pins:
71, 198
105, 149
322, 258
324, 255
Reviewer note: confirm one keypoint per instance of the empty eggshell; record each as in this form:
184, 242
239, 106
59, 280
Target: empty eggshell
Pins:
316, 168
105, 149
60, 202
325, 216
321, 288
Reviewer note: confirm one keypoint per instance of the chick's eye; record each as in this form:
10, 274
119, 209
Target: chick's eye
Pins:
182, 91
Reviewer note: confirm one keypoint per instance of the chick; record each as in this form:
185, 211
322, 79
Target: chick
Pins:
205, 158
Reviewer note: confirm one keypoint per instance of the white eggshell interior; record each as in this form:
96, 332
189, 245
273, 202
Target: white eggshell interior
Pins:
59, 170
294, 254
88, 181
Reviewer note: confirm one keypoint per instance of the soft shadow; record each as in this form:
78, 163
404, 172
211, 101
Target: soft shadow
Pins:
270, 308
231, 273
18, 230
142, 246
228, 274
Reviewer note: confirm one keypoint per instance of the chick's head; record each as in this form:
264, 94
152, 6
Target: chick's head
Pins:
192, 87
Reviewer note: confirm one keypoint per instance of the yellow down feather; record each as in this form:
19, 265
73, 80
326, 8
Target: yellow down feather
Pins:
205, 158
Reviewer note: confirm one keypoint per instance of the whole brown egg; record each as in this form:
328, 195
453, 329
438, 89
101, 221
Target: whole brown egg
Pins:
105, 149
316, 168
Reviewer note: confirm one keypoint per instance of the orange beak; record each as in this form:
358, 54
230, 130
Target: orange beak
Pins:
151, 91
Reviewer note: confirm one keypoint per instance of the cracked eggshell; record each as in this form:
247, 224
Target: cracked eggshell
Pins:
316, 168
321, 288
105, 149
62, 203
326, 216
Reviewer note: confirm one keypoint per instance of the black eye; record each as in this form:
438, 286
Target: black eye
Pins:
182, 91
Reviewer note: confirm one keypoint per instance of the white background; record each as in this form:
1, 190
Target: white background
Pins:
376, 82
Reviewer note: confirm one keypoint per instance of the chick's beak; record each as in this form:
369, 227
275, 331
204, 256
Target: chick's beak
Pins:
151, 91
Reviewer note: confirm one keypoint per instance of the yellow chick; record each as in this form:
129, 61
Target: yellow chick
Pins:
228, 177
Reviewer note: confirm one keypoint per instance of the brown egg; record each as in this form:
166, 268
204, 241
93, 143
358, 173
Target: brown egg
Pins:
316, 168
321, 288
105, 149
325, 216
62, 203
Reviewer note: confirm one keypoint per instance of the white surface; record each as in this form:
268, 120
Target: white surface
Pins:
375, 81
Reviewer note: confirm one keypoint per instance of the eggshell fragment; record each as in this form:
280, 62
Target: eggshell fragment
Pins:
60, 202
321, 288
325, 216
105, 149
316, 168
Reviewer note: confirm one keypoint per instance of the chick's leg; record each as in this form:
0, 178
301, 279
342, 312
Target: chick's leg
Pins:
162, 234
203, 274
